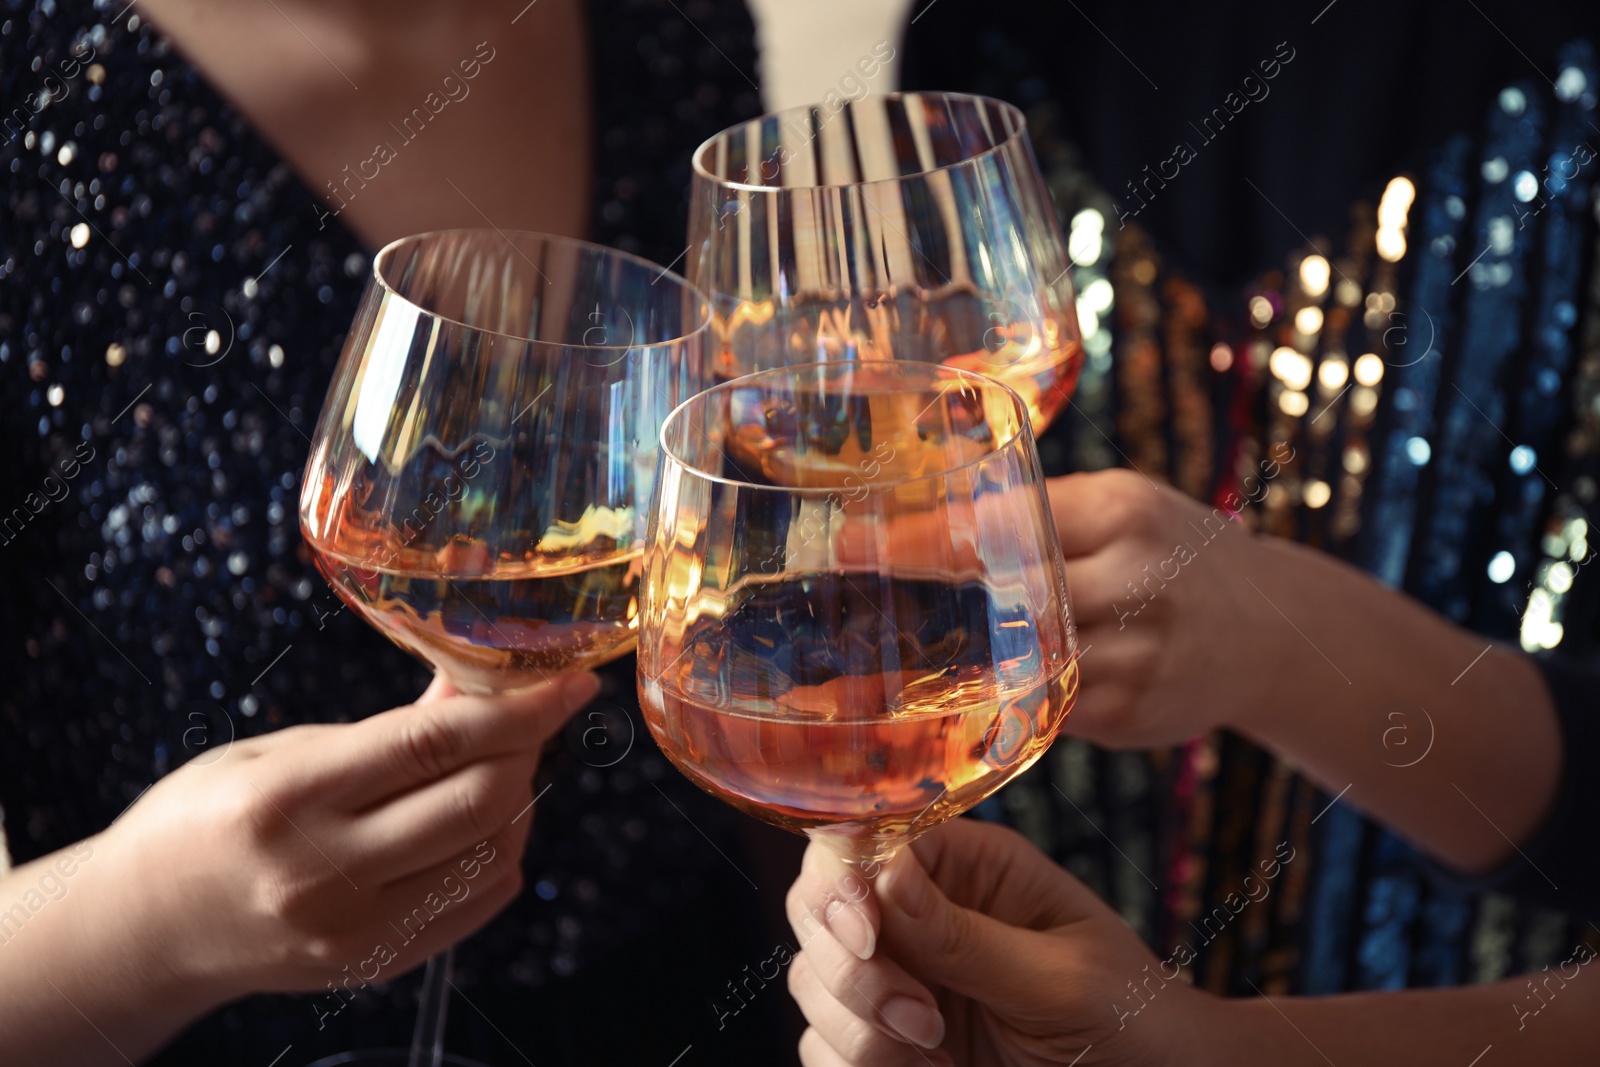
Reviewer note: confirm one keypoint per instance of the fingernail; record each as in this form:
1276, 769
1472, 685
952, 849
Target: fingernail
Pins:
915, 1021
905, 885
849, 924
578, 689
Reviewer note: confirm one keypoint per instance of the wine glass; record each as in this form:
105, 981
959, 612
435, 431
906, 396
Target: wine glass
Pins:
477, 485
855, 613
911, 226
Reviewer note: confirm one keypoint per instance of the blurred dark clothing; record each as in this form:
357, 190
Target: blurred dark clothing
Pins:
172, 306
1371, 88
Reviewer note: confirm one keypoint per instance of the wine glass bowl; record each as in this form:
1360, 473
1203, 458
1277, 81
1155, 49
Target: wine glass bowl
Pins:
477, 481
912, 226
855, 620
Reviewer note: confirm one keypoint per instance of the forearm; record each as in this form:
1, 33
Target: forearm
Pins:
1554, 1020
82, 977
1455, 747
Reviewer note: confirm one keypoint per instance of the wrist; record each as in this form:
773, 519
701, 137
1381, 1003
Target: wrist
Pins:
1239, 1033
1267, 664
1209, 1031
89, 926
158, 926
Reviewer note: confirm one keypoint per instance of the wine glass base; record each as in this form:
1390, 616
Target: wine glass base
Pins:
386, 1057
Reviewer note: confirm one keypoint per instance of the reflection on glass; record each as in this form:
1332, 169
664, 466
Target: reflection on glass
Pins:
911, 226
475, 490
855, 615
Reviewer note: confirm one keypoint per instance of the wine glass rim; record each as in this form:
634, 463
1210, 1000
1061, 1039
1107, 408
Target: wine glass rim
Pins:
1020, 132
663, 273
1021, 434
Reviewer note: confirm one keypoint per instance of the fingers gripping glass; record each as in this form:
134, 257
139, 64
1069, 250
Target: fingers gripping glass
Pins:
855, 619
477, 482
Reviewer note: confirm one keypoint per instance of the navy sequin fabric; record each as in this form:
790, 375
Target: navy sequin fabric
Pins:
170, 315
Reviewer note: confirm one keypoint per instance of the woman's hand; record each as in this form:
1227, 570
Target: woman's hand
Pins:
980, 951
1189, 622
302, 847
340, 854
1175, 637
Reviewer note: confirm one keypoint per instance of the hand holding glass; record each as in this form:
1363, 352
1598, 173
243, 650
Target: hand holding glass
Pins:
475, 487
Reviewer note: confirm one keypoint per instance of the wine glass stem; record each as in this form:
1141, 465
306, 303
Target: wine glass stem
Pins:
865, 855
427, 1041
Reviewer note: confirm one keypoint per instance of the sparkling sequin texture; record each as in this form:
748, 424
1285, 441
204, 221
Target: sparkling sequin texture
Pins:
169, 318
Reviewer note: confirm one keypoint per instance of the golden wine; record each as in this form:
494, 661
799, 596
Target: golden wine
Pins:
491, 625
1044, 372
802, 708
1042, 364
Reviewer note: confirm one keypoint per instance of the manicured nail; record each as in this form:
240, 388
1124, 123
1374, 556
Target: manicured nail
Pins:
905, 885
578, 689
915, 1021
849, 924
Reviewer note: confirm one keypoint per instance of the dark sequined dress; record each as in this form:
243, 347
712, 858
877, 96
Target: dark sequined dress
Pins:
170, 314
